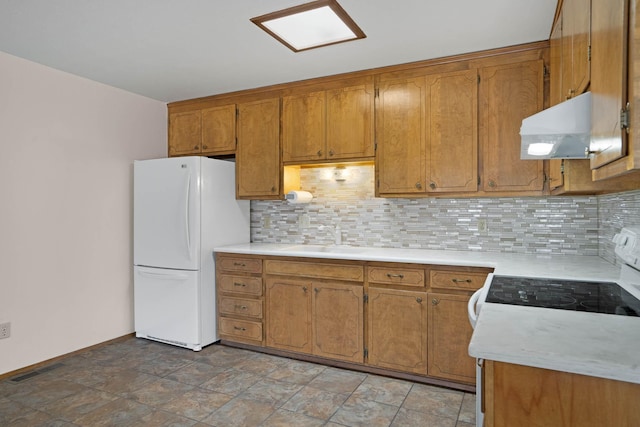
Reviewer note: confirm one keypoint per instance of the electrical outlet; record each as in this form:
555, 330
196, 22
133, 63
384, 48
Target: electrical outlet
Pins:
5, 330
482, 225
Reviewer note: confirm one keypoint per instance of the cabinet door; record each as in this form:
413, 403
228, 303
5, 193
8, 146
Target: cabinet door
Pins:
350, 122
303, 127
452, 131
556, 63
608, 80
338, 321
400, 133
577, 25
185, 133
219, 129
508, 94
288, 315
258, 152
397, 330
449, 336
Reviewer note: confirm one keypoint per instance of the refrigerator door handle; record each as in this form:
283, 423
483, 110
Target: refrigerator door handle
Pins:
173, 276
186, 216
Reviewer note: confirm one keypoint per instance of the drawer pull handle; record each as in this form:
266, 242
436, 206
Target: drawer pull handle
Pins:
435, 301
238, 328
239, 284
461, 280
393, 276
239, 264
240, 307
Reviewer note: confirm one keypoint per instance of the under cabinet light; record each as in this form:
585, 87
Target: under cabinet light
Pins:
310, 25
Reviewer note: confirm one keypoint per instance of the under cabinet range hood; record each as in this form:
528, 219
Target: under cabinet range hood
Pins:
560, 132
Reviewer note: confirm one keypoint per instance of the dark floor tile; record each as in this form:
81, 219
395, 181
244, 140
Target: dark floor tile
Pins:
231, 382
434, 400
195, 373
284, 418
79, 404
297, 372
271, 391
240, 413
38, 391
315, 403
409, 418
164, 419
159, 392
357, 412
337, 380
120, 412
468, 409
383, 390
197, 403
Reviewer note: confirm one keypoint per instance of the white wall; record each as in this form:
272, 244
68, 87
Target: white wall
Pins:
66, 150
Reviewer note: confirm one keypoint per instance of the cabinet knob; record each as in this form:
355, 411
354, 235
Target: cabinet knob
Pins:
492, 183
419, 300
432, 185
316, 290
319, 153
204, 147
331, 153
195, 147
418, 185
273, 188
435, 301
305, 289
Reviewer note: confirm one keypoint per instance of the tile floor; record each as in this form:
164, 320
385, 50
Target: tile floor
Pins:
137, 382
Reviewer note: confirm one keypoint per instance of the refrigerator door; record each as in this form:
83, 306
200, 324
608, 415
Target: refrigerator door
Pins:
166, 213
166, 306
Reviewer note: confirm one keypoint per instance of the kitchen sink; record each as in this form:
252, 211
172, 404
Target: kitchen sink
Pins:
336, 249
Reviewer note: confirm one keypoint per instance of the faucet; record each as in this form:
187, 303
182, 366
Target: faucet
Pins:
336, 232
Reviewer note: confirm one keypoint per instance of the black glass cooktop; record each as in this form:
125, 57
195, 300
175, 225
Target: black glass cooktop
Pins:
594, 297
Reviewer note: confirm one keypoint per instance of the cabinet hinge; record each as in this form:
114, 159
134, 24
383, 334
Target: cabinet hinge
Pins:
237, 112
478, 78
366, 352
375, 146
624, 118
478, 179
365, 297
236, 142
589, 53
376, 92
562, 167
545, 178
545, 70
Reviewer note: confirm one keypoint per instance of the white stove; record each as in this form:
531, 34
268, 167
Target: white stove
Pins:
619, 298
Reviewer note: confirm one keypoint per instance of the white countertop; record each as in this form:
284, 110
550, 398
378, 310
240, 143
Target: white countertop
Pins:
600, 345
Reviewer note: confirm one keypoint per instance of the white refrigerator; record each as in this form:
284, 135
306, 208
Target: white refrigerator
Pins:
183, 207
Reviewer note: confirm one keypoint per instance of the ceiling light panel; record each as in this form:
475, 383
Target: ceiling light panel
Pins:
310, 25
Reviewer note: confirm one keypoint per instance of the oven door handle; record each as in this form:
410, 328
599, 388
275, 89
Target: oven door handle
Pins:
471, 307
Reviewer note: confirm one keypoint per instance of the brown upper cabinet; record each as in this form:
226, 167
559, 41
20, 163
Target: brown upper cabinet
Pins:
258, 171
209, 131
427, 134
328, 125
508, 94
615, 81
575, 22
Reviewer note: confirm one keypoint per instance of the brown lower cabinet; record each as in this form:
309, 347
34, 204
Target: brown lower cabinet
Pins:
403, 320
516, 395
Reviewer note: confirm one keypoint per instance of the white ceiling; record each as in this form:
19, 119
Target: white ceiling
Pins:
172, 50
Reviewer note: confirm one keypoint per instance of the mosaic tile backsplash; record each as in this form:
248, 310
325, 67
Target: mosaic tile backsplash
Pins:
536, 225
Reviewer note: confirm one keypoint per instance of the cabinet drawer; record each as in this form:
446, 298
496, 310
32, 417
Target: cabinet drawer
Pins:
241, 307
396, 276
241, 328
316, 270
240, 284
247, 265
452, 279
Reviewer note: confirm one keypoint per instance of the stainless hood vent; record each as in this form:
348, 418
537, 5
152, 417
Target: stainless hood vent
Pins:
560, 132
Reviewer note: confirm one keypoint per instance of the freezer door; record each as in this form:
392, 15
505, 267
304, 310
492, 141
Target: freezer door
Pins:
166, 306
166, 213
